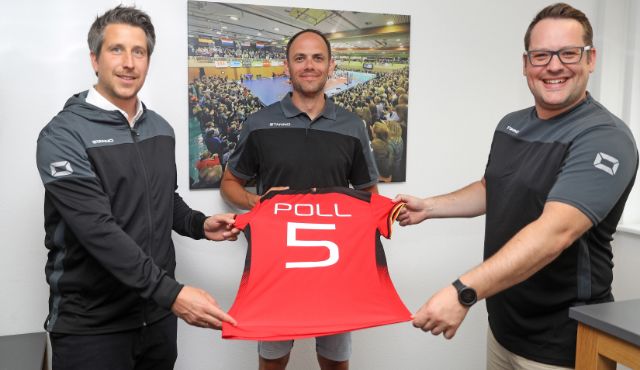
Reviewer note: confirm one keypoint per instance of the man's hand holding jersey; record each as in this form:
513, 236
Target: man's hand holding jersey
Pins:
441, 314
194, 305
199, 308
414, 211
220, 227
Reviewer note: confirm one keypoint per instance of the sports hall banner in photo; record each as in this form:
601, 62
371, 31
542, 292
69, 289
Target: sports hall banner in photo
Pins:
236, 59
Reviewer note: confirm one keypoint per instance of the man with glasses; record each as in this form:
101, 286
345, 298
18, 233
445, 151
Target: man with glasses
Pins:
555, 185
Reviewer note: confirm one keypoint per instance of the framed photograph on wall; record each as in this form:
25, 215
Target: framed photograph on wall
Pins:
236, 63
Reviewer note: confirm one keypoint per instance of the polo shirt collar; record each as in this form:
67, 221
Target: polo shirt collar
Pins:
291, 110
96, 99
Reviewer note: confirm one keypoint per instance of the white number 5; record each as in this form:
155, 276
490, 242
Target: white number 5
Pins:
292, 227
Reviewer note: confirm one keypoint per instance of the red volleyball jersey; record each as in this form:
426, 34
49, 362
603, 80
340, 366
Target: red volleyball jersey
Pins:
315, 266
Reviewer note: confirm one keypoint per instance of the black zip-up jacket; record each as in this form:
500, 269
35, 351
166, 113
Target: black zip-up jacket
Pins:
110, 205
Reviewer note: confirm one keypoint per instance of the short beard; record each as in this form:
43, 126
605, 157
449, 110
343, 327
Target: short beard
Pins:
298, 87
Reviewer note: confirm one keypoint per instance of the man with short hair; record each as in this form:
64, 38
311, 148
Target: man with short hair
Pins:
108, 168
553, 191
304, 141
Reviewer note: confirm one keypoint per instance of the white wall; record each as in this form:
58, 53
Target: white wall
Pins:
465, 75
619, 79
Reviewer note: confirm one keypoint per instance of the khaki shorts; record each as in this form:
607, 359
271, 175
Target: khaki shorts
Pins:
500, 358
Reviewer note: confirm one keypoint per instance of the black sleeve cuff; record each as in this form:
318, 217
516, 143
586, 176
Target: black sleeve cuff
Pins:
197, 226
166, 292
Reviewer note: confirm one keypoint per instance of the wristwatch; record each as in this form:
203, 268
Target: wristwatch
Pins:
466, 295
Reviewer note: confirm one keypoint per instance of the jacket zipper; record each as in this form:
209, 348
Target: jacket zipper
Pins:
134, 137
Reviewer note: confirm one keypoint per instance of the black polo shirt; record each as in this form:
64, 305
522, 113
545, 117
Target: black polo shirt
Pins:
281, 146
586, 158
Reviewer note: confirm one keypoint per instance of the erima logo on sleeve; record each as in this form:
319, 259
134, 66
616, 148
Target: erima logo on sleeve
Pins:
61, 168
606, 163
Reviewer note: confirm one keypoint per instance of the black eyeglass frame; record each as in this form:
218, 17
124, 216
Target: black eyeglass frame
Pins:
551, 53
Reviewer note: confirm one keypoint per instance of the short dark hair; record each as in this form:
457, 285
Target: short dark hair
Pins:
561, 11
121, 15
311, 30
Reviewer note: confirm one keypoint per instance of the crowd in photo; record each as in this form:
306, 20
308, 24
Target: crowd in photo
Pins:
219, 106
237, 50
378, 60
382, 104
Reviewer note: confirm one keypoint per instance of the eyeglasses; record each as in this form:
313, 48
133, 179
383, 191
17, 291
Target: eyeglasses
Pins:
570, 55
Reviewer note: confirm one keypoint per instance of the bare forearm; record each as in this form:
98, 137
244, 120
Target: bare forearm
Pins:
469, 201
531, 249
233, 191
520, 258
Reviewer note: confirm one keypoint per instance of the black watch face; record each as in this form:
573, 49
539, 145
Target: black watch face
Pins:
468, 296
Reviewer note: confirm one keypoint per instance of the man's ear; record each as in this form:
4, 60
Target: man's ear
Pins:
94, 62
286, 68
332, 67
591, 60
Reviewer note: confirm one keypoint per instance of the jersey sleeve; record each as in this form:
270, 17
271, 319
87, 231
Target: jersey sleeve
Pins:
244, 219
243, 162
600, 165
385, 212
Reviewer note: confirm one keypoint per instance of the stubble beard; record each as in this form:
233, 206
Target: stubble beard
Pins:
309, 90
